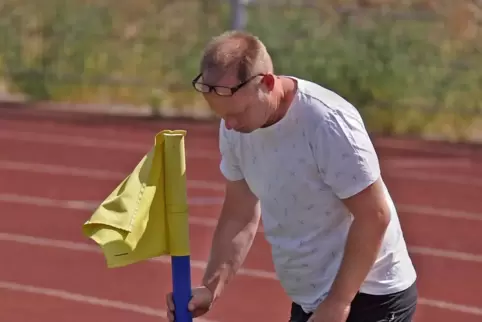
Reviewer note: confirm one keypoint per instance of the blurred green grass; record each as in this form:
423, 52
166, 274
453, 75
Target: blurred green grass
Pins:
407, 76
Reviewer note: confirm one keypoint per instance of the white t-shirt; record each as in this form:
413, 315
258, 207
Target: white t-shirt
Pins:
300, 168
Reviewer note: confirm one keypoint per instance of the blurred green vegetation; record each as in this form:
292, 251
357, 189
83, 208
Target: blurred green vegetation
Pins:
410, 75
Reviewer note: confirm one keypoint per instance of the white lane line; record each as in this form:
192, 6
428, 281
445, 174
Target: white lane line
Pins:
426, 147
40, 241
98, 174
86, 299
91, 173
438, 212
461, 256
74, 246
92, 205
74, 141
451, 306
92, 248
85, 204
89, 205
81, 141
213, 154
219, 187
429, 163
62, 170
432, 177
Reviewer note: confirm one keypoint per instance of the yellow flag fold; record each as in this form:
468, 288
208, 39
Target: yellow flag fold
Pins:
146, 215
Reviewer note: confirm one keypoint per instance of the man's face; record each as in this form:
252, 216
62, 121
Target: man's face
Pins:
244, 111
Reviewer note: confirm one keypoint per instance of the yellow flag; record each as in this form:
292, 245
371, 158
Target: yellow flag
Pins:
146, 216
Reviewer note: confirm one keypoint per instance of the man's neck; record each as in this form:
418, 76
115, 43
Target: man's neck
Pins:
288, 90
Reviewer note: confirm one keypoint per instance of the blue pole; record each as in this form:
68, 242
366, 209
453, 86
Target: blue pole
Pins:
181, 285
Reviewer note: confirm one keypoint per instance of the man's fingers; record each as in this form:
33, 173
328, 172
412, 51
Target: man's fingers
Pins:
170, 316
198, 312
170, 302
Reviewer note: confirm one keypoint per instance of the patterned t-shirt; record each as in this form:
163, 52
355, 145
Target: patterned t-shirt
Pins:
300, 168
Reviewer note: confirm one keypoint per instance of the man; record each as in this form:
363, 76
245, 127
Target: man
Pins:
298, 156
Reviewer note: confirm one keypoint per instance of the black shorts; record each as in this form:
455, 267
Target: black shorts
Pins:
396, 307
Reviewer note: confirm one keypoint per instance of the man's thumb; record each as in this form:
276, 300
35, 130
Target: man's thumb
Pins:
194, 303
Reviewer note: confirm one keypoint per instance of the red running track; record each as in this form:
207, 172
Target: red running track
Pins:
55, 167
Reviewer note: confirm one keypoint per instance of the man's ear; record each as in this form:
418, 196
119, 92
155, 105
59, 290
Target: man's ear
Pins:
268, 81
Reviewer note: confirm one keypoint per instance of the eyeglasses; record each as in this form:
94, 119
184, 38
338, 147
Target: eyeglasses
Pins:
220, 90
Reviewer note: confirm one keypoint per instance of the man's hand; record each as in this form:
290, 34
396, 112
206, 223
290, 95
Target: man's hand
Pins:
331, 311
201, 302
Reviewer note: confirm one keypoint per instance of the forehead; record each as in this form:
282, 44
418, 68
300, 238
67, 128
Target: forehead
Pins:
216, 77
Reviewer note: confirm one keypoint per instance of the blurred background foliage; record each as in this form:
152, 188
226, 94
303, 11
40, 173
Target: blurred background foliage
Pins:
411, 67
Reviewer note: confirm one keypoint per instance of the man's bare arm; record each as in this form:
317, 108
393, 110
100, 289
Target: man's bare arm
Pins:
233, 236
371, 218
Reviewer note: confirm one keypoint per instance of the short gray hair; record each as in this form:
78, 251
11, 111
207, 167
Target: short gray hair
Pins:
238, 50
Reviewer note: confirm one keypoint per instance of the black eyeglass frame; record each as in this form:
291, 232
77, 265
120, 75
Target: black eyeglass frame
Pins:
212, 88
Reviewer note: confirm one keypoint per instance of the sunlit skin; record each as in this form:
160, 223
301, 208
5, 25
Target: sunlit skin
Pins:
261, 102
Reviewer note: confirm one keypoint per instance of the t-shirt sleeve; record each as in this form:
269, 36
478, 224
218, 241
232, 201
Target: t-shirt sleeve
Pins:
345, 154
229, 164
